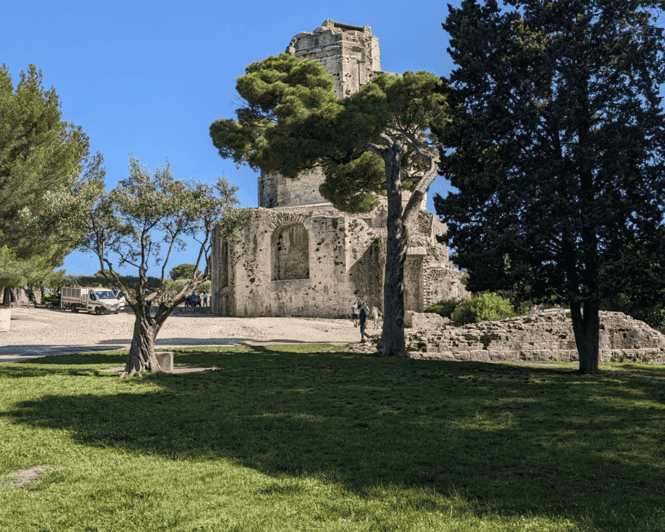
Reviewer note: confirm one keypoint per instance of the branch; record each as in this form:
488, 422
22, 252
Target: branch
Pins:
168, 254
164, 311
412, 207
202, 252
379, 150
119, 283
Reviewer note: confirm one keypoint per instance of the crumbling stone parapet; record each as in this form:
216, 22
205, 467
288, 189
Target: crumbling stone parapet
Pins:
537, 338
420, 320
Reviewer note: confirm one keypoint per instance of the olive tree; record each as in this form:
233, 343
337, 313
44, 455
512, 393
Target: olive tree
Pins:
139, 224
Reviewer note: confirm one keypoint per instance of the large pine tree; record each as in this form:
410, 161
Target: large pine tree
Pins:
559, 140
39, 152
376, 141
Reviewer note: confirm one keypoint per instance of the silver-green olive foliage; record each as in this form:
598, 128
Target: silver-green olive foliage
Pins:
139, 224
559, 147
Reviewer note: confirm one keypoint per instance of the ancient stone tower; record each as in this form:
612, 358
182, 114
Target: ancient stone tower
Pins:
298, 255
350, 54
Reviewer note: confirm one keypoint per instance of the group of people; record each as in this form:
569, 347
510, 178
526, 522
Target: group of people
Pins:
193, 300
360, 313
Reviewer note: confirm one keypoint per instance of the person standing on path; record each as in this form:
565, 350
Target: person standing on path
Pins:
375, 317
364, 314
354, 314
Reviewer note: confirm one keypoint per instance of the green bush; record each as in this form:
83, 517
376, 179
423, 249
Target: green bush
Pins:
485, 306
443, 308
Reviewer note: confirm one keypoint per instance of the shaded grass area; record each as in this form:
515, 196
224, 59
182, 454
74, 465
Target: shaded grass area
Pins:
306, 438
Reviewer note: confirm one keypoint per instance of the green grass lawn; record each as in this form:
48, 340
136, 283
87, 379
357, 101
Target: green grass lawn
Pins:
306, 438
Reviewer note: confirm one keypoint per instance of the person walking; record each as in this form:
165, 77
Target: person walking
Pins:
375, 317
364, 314
354, 314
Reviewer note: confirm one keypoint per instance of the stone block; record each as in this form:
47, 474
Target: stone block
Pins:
416, 250
5, 318
165, 359
424, 320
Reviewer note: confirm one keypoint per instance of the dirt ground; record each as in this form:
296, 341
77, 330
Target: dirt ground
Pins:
36, 332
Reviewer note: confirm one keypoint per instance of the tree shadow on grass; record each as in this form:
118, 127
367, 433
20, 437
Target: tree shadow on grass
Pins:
644, 369
532, 440
62, 364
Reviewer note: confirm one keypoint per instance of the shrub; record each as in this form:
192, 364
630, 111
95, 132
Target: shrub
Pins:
443, 308
485, 306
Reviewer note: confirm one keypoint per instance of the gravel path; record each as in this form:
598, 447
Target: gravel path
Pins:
37, 332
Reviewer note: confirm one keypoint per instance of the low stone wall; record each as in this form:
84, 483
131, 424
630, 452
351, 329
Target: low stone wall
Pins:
538, 337
424, 320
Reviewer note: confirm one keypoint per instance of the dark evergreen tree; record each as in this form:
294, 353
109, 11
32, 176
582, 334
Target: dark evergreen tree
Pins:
39, 152
559, 144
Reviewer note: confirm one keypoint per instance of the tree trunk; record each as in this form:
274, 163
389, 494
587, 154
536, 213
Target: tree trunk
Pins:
142, 351
586, 328
392, 337
9, 297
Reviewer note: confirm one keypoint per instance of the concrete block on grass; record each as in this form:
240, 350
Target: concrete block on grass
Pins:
5, 318
165, 359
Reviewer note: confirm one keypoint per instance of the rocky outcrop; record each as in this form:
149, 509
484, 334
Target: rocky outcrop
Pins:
537, 337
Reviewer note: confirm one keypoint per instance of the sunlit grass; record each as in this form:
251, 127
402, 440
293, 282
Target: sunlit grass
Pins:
306, 438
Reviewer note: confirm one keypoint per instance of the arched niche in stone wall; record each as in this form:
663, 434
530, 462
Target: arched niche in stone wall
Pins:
290, 252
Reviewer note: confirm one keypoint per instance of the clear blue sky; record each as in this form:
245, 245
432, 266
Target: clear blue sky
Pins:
148, 78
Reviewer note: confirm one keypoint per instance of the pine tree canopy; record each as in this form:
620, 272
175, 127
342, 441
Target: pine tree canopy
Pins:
292, 120
376, 141
39, 152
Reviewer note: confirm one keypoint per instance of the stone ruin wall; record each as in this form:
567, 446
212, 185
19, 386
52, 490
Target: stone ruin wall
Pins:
341, 255
540, 337
350, 54
278, 191
305, 261
428, 274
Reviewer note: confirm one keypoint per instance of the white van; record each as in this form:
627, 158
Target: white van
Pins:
97, 300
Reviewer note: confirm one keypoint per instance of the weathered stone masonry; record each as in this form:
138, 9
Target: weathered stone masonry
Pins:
350, 54
314, 261
298, 255
538, 337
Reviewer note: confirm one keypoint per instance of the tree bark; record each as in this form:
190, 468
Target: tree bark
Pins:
586, 328
392, 337
142, 350
9, 297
